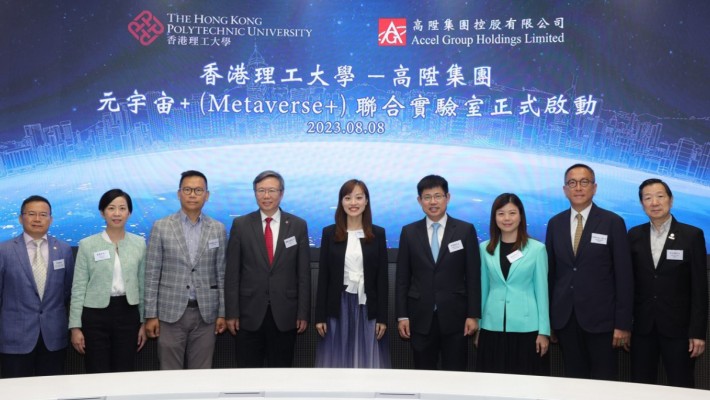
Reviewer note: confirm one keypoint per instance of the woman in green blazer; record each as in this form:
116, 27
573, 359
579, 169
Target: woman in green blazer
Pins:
106, 308
515, 323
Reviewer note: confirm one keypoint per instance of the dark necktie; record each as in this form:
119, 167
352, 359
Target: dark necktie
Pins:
269, 239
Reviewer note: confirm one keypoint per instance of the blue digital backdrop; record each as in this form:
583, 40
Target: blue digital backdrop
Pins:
496, 96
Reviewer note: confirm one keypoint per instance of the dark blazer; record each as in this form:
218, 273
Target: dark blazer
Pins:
23, 316
598, 282
674, 295
452, 283
331, 272
251, 284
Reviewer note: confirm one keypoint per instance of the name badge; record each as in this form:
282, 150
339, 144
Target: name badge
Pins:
290, 242
598, 238
514, 256
102, 255
213, 243
58, 264
455, 246
360, 234
674, 255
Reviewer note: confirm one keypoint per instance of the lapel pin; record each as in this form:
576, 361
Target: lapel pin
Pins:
671, 236
54, 248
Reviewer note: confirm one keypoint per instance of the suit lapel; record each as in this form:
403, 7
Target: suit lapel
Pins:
284, 232
205, 233
52, 254
423, 235
24, 258
668, 245
176, 226
496, 257
589, 227
515, 264
446, 239
645, 243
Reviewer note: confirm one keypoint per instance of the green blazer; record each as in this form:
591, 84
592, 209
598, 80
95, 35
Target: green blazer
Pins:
92, 279
523, 297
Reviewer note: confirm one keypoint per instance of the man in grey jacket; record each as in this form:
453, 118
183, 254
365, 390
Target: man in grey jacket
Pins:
184, 279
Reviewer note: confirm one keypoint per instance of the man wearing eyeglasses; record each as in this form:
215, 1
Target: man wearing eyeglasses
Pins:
590, 280
268, 279
184, 280
438, 286
36, 272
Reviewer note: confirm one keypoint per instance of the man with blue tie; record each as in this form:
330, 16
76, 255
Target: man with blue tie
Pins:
36, 272
590, 280
438, 281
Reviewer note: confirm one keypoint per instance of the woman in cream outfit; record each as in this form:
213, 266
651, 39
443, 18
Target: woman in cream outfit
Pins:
107, 294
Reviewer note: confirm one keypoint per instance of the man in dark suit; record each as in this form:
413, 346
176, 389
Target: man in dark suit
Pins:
438, 287
671, 291
36, 272
590, 280
268, 279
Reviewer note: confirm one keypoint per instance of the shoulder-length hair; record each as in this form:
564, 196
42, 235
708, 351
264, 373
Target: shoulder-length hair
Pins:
498, 203
341, 218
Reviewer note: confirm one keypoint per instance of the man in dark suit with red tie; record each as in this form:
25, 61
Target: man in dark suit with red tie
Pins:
438, 288
671, 291
590, 280
268, 279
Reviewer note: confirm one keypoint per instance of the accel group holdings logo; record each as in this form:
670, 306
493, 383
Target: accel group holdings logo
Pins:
146, 28
392, 32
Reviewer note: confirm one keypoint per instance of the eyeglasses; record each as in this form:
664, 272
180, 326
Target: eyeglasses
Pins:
188, 191
261, 192
32, 214
572, 183
438, 197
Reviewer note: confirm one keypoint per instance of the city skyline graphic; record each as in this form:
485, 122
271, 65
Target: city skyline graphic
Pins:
502, 98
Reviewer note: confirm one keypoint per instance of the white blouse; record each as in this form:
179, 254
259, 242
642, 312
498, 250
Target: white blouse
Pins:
117, 286
354, 276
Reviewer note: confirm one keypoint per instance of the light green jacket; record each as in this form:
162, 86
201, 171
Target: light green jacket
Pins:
93, 279
522, 298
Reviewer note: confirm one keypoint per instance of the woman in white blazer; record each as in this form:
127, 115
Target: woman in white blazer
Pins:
515, 323
107, 294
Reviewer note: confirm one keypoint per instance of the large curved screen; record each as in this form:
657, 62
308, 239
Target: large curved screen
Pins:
496, 96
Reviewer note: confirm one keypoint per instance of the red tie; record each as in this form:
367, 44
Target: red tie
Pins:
269, 238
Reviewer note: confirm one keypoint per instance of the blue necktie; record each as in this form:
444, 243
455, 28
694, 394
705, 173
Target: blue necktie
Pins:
435, 240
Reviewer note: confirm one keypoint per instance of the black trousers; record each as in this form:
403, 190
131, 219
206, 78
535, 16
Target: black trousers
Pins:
267, 343
646, 350
427, 348
585, 354
111, 336
39, 362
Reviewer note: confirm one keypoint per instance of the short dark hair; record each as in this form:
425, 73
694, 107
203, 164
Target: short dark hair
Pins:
190, 173
523, 236
269, 174
653, 181
32, 199
111, 195
578, 165
431, 182
341, 218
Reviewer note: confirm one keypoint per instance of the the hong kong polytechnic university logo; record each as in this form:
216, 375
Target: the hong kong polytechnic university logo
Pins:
146, 28
392, 32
